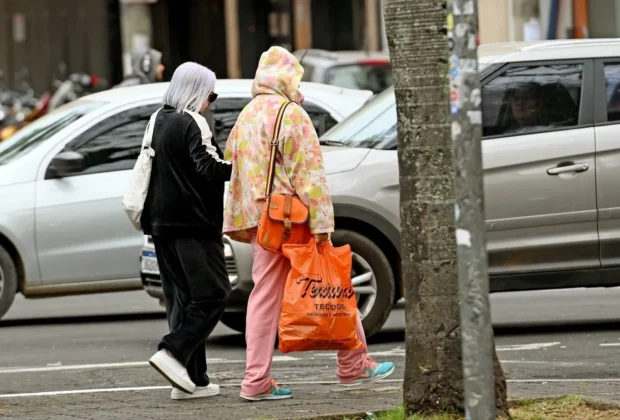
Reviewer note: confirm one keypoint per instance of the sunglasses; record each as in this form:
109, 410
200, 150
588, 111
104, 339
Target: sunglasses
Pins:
212, 97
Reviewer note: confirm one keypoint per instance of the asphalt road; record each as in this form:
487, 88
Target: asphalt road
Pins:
552, 342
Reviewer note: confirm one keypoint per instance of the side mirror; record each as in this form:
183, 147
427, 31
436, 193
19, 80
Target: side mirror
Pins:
64, 164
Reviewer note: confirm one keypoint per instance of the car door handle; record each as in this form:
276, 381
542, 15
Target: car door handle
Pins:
577, 167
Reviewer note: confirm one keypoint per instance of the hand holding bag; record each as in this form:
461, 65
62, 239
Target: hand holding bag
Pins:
138, 187
284, 219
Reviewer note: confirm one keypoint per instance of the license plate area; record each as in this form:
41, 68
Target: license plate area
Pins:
149, 263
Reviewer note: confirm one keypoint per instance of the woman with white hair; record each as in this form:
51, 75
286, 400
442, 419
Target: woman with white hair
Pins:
183, 213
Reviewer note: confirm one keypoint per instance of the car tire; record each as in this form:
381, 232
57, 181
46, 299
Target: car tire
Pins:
8, 281
379, 311
234, 321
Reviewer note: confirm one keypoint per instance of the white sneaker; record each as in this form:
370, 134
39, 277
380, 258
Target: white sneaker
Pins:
210, 390
173, 371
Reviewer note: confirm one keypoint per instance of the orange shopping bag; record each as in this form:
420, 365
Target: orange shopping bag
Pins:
319, 308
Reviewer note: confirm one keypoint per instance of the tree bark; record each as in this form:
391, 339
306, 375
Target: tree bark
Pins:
419, 55
418, 43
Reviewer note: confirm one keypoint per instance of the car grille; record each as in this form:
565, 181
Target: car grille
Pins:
153, 268
231, 266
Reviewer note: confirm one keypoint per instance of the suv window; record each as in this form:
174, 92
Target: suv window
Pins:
321, 119
528, 99
612, 82
113, 144
373, 77
227, 110
308, 72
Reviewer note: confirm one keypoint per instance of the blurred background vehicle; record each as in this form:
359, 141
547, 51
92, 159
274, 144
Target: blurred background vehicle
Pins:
74, 86
348, 69
62, 178
21, 106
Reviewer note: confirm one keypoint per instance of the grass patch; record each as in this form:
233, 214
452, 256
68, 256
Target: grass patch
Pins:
565, 408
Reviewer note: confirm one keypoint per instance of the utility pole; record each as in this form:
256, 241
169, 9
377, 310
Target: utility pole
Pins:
465, 99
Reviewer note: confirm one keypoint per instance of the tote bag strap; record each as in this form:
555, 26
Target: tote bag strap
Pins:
148, 133
274, 149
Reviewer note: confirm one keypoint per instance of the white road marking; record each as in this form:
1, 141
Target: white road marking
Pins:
609, 344
554, 363
521, 347
283, 359
74, 367
587, 380
396, 352
153, 388
83, 391
53, 368
150, 388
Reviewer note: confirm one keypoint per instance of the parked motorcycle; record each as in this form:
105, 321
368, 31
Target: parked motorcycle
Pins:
75, 86
20, 107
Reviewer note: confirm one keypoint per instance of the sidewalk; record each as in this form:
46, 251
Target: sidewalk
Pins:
139, 393
309, 401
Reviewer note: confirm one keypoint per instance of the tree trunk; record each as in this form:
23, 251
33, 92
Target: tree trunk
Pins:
418, 43
501, 390
419, 55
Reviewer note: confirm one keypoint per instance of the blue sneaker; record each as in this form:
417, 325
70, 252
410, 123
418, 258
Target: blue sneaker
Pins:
273, 393
374, 371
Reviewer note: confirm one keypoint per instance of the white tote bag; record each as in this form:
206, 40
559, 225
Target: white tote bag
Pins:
138, 188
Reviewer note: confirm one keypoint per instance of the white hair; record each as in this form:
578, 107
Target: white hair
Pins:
190, 87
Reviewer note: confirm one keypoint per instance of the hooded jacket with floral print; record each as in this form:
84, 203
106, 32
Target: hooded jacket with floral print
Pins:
299, 163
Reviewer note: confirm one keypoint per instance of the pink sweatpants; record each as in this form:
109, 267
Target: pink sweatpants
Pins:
264, 307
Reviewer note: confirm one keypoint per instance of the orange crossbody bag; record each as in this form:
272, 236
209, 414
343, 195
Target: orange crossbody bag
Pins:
284, 219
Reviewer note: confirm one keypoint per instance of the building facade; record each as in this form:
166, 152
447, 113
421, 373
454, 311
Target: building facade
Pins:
97, 36
36, 43
523, 20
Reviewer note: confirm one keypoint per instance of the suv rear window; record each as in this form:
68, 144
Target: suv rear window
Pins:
375, 77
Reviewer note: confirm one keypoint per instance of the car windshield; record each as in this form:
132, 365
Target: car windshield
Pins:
308, 72
373, 126
375, 77
32, 135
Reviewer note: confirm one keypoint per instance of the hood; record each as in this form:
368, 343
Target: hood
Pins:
136, 65
278, 72
342, 159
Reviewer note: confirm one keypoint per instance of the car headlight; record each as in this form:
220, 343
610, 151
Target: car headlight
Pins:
228, 252
148, 241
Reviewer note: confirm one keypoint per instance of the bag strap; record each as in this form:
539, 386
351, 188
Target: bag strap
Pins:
148, 133
274, 149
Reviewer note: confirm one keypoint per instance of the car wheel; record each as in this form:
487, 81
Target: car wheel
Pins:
372, 277
234, 321
8, 281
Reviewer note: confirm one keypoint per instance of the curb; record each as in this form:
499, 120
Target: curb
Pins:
592, 402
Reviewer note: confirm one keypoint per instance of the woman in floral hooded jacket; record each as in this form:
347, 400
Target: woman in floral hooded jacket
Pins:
299, 170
